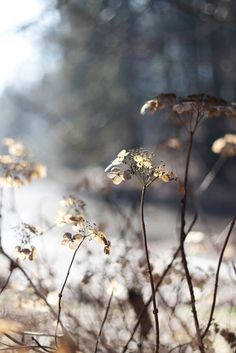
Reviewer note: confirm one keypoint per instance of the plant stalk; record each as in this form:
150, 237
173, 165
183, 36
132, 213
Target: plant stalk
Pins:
182, 249
155, 309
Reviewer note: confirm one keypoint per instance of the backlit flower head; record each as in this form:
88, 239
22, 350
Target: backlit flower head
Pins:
26, 253
90, 231
162, 101
140, 163
150, 106
72, 241
71, 212
226, 146
190, 110
99, 236
25, 234
18, 167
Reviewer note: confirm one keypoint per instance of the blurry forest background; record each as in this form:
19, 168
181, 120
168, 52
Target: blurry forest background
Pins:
75, 73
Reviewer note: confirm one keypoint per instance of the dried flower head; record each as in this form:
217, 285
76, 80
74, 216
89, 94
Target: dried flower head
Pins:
17, 167
192, 109
100, 237
71, 211
72, 241
160, 102
26, 253
139, 163
25, 233
90, 231
150, 106
226, 146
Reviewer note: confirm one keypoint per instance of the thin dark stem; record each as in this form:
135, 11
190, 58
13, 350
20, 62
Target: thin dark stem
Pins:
182, 239
178, 347
63, 287
217, 277
7, 281
45, 349
168, 267
155, 309
103, 322
18, 348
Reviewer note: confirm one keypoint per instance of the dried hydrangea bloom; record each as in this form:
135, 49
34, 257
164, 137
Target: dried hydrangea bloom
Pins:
192, 109
118, 175
160, 102
150, 106
90, 231
72, 241
141, 164
18, 149
17, 167
26, 253
39, 171
6, 159
118, 160
25, 233
71, 212
231, 110
100, 237
207, 106
226, 146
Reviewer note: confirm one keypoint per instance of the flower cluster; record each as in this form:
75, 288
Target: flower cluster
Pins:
202, 104
28, 253
25, 233
72, 214
140, 163
17, 167
226, 145
71, 211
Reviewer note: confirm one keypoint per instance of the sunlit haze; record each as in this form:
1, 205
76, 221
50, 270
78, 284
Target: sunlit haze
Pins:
19, 55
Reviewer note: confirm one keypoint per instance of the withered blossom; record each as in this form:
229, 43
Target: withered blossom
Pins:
226, 145
25, 233
72, 241
118, 175
100, 237
162, 101
71, 212
191, 107
141, 164
150, 106
118, 160
26, 253
18, 167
